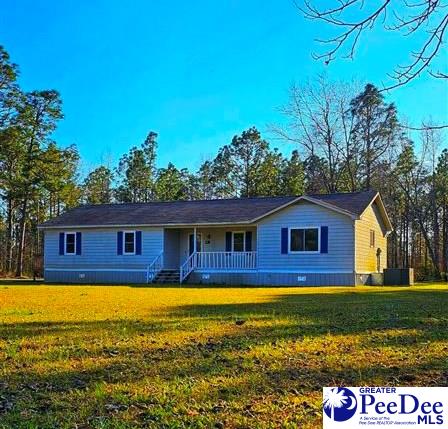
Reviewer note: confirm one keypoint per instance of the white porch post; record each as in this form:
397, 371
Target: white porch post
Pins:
194, 241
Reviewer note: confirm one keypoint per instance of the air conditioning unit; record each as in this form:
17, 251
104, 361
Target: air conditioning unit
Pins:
398, 276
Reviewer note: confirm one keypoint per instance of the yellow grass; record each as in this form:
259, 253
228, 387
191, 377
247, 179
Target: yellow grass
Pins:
125, 357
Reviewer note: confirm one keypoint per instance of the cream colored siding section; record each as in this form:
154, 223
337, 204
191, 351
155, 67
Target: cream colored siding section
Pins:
366, 259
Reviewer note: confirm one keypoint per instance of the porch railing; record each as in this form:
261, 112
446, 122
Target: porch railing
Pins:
155, 267
187, 267
218, 261
227, 260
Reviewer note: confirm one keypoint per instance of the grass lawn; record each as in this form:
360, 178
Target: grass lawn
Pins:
126, 357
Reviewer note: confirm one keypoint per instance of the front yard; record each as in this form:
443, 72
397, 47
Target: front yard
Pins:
126, 357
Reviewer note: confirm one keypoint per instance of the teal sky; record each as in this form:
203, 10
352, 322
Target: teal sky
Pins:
195, 72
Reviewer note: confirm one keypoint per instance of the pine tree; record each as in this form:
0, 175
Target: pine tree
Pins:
293, 176
375, 126
97, 187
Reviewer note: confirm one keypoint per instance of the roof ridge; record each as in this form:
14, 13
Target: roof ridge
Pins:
189, 201
226, 199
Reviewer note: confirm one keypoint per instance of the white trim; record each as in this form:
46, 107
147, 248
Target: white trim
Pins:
131, 270
304, 252
124, 242
233, 241
154, 225
65, 243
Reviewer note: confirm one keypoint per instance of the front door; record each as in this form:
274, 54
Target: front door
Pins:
191, 243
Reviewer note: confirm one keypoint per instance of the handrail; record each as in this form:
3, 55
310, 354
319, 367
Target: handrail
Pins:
154, 267
218, 261
227, 260
187, 267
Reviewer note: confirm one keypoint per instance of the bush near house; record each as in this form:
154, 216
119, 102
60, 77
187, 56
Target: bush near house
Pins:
122, 357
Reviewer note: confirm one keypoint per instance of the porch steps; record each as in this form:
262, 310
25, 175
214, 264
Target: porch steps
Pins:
167, 276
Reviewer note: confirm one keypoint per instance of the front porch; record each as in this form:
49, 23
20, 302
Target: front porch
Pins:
223, 249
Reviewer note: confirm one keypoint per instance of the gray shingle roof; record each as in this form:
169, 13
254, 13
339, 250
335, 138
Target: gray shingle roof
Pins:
241, 210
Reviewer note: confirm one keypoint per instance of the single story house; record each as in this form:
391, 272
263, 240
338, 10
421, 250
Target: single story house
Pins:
335, 239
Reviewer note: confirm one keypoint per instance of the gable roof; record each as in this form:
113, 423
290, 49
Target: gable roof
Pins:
205, 212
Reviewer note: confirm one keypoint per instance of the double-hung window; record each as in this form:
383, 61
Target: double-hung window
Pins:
129, 242
70, 243
304, 239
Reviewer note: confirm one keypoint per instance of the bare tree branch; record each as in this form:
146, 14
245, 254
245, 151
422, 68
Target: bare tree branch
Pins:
412, 18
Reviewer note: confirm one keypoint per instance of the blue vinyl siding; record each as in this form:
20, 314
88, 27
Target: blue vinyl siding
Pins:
99, 250
340, 256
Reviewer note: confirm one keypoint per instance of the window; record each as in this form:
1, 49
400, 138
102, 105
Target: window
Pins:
372, 238
70, 243
304, 239
129, 242
238, 242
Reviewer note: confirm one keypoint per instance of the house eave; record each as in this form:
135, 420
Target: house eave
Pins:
388, 223
151, 225
310, 200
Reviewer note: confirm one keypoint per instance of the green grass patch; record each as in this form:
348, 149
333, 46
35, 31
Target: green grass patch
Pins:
126, 357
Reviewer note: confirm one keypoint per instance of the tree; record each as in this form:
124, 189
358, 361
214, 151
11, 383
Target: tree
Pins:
317, 122
293, 175
375, 126
136, 171
206, 182
268, 177
9, 94
9, 91
238, 166
442, 202
425, 21
170, 184
38, 113
97, 187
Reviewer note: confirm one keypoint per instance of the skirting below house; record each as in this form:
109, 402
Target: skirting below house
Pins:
241, 277
255, 278
95, 276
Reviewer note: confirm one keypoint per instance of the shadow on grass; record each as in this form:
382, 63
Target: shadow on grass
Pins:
267, 356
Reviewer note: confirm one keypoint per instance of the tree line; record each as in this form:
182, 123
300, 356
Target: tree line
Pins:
344, 139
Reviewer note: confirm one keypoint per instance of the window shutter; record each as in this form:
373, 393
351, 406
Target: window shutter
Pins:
138, 242
61, 243
78, 243
248, 239
228, 241
119, 242
324, 239
284, 236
